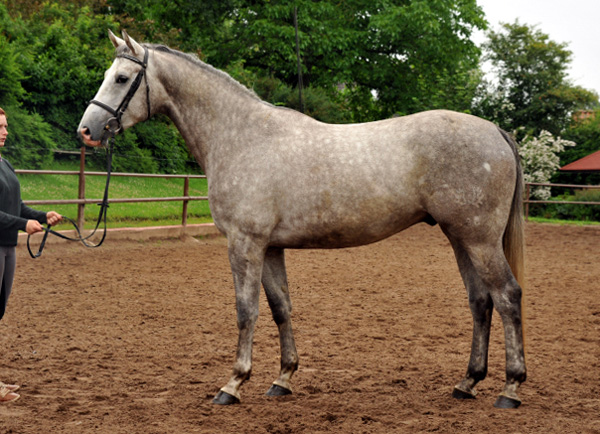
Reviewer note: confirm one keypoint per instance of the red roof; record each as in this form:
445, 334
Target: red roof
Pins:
585, 164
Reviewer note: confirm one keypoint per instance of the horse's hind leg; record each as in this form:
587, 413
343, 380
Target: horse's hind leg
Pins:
274, 280
496, 281
480, 302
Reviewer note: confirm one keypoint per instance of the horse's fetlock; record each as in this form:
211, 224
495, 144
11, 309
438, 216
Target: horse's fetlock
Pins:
516, 374
242, 375
478, 374
290, 366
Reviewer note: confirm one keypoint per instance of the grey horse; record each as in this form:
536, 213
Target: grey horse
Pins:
278, 179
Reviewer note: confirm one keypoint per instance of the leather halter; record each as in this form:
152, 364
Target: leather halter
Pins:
114, 125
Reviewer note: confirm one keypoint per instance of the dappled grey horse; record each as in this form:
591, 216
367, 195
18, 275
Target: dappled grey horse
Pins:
279, 179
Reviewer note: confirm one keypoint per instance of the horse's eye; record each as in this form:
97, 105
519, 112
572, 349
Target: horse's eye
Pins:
121, 79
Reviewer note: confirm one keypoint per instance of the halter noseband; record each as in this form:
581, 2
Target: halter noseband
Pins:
113, 125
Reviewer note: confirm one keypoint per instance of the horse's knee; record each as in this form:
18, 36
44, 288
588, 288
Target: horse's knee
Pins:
280, 317
246, 317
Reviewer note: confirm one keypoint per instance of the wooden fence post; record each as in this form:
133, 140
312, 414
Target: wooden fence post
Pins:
81, 193
186, 193
527, 196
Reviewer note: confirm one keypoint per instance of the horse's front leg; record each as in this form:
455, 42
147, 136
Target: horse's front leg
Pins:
274, 280
246, 257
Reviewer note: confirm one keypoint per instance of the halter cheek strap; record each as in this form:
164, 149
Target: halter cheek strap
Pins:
114, 125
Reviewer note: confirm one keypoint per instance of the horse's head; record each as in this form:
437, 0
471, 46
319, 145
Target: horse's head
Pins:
118, 105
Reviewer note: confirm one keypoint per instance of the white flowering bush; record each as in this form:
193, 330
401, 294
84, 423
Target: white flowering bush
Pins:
540, 160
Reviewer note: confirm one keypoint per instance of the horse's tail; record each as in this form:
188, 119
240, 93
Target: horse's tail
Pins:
514, 233
514, 236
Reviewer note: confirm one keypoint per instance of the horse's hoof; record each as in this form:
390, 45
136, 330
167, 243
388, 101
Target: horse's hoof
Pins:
461, 394
506, 402
224, 398
276, 390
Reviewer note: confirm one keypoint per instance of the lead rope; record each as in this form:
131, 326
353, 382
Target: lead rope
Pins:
101, 216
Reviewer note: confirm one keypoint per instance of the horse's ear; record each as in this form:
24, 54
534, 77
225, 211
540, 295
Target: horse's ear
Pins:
133, 46
117, 42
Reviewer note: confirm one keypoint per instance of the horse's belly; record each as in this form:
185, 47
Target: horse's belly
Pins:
339, 231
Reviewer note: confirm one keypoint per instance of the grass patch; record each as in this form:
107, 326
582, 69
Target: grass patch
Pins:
59, 187
562, 222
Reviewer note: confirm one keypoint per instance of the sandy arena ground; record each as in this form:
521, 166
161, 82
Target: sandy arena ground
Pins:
138, 336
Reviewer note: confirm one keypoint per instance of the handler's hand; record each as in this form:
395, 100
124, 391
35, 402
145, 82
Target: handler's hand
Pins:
33, 226
53, 218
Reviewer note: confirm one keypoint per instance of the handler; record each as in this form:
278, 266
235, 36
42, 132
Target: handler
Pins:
14, 216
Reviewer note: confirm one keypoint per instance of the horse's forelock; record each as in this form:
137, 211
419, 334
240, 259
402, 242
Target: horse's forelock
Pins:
123, 49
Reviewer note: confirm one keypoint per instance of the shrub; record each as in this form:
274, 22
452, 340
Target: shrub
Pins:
540, 160
571, 211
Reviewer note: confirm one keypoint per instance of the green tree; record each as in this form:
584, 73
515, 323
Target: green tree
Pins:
188, 25
361, 59
63, 63
531, 89
370, 58
11, 75
587, 136
29, 143
63, 51
388, 56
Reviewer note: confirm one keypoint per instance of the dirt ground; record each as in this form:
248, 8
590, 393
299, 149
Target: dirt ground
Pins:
137, 337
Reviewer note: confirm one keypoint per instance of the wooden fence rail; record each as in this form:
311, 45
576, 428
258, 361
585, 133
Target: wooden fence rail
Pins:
527, 200
186, 198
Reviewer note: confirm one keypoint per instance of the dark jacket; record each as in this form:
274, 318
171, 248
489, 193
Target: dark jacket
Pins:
13, 212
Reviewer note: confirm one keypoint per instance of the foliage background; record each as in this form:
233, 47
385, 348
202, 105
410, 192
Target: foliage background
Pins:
362, 60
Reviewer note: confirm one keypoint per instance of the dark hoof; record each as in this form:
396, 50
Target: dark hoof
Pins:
276, 390
461, 394
224, 398
506, 402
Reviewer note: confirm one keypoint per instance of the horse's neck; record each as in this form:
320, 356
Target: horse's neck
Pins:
207, 109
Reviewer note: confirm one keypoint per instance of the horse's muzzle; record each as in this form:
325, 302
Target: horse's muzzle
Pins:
86, 137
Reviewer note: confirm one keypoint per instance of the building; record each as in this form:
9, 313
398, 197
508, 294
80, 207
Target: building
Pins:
589, 163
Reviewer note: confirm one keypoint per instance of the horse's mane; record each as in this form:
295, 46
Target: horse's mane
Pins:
200, 64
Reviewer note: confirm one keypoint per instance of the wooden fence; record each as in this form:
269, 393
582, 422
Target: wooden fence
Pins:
527, 198
81, 201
